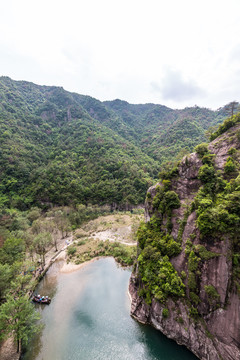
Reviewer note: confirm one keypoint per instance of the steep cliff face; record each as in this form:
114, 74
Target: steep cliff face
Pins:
207, 318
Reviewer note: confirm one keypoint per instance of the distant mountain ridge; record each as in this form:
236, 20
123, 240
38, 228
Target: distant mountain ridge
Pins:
60, 147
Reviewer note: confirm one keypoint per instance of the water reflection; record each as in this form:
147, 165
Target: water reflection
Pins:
88, 318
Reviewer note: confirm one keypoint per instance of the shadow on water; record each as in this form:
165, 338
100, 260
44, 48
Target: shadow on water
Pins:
88, 318
160, 347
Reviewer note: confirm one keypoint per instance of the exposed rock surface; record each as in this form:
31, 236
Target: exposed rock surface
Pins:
217, 335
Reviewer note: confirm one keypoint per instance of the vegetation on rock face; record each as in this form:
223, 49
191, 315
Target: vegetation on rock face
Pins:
228, 123
157, 275
218, 217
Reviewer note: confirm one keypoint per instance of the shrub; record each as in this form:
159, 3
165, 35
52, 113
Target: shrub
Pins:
183, 275
212, 293
168, 246
193, 261
206, 173
238, 135
192, 281
208, 159
71, 250
228, 123
232, 151
149, 196
229, 167
194, 298
172, 200
204, 253
193, 312
168, 175
165, 313
217, 220
201, 149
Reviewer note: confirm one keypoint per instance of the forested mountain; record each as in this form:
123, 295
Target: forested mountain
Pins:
64, 148
162, 132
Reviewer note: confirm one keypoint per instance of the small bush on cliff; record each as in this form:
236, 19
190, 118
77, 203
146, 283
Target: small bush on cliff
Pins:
228, 123
194, 298
202, 149
168, 175
193, 313
208, 159
165, 313
193, 261
212, 293
232, 151
206, 174
204, 253
172, 200
192, 281
230, 166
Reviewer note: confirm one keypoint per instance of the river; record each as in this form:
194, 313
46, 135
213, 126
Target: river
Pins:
88, 319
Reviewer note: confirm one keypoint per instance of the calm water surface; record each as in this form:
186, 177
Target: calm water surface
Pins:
88, 319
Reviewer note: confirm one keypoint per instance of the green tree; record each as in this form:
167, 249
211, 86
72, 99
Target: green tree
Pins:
5, 277
61, 221
41, 243
12, 250
18, 317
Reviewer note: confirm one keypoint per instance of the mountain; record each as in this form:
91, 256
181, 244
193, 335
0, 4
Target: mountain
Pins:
186, 281
54, 151
64, 148
162, 132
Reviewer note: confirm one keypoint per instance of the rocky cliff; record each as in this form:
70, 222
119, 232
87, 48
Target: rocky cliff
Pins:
186, 282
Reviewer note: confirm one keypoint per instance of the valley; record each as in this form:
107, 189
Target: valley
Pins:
75, 177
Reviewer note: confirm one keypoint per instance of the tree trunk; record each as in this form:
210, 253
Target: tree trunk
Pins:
55, 243
18, 345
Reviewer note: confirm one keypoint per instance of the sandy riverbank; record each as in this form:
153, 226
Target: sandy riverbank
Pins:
69, 267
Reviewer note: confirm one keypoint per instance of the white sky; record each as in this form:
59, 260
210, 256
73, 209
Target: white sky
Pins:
173, 52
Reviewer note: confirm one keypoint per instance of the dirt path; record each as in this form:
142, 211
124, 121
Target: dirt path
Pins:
8, 350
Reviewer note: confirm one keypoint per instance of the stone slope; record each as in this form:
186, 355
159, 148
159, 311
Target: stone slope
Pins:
215, 335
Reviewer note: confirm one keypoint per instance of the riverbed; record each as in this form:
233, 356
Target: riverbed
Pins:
88, 318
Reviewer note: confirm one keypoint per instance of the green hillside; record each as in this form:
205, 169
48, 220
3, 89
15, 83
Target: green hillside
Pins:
63, 148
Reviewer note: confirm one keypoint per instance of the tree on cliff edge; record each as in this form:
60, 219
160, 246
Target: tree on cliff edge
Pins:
231, 108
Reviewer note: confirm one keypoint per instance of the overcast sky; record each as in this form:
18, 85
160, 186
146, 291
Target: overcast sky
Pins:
173, 52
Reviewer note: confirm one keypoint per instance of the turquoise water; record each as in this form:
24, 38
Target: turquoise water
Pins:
88, 318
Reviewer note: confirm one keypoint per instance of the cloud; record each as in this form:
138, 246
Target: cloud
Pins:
174, 87
84, 47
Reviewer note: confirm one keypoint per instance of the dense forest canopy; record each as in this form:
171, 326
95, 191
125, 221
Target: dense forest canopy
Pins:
63, 148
